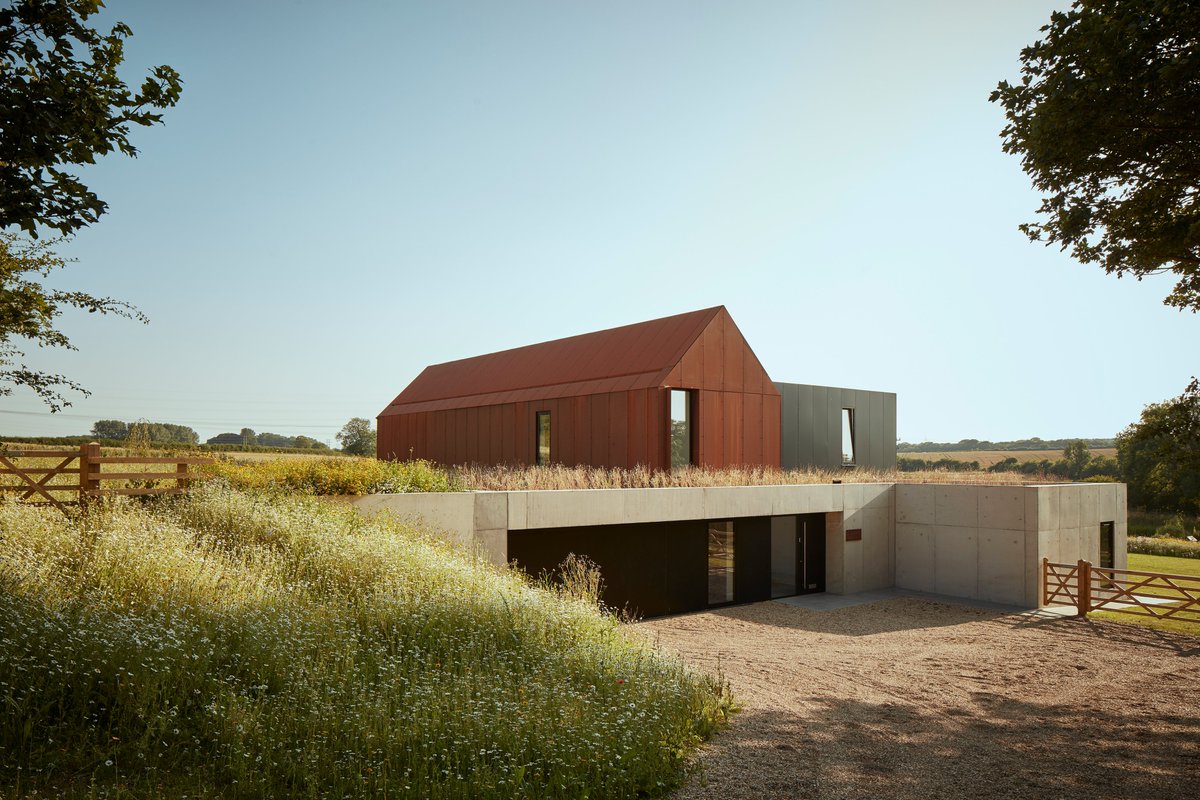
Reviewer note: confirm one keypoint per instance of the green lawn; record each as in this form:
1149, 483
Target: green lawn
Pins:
1167, 564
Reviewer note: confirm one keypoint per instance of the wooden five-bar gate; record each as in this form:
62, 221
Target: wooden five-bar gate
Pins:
1125, 591
86, 475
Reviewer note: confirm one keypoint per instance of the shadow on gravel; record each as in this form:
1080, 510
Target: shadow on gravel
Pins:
914, 613
900, 614
995, 748
1098, 632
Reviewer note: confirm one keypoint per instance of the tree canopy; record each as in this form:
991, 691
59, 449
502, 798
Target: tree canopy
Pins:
1160, 454
110, 429
62, 104
29, 310
145, 432
1106, 119
357, 437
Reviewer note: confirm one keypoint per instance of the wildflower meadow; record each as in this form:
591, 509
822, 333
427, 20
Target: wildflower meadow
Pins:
228, 644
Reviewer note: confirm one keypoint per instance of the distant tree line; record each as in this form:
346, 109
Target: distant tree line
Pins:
983, 444
905, 464
1077, 464
143, 431
114, 430
249, 437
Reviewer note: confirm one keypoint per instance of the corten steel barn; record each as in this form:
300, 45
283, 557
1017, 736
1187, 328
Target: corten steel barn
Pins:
681, 390
685, 389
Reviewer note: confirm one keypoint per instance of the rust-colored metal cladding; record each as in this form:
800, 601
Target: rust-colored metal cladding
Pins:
608, 395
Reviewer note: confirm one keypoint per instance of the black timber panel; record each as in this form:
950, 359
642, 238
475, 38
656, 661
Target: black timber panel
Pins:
752, 559
648, 569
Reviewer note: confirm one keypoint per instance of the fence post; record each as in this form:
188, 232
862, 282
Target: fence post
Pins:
181, 469
1044, 583
1084, 600
89, 472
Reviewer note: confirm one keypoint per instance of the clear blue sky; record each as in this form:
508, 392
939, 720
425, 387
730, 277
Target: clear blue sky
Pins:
350, 191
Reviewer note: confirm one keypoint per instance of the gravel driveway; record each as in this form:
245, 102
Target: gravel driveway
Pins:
916, 699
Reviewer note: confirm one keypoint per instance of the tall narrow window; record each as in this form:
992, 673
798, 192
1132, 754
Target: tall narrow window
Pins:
543, 438
848, 437
681, 428
720, 563
1106, 545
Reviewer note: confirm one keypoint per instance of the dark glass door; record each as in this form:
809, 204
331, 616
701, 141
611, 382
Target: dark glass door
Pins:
797, 555
810, 553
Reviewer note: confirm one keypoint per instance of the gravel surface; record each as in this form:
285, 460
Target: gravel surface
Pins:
911, 698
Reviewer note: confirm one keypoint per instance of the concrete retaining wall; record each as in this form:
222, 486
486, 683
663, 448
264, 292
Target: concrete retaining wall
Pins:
979, 542
987, 542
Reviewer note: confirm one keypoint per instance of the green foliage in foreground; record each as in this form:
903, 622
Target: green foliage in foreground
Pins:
239, 646
336, 475
1155, 546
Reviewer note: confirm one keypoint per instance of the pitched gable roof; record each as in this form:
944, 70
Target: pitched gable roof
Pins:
629, 357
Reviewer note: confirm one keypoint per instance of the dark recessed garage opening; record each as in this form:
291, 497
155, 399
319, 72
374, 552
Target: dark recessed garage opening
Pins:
651, 569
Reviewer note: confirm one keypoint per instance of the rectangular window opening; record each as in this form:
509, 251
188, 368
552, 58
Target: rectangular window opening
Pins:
681, 428
1106, 545
848, 458
543, 438
720, 563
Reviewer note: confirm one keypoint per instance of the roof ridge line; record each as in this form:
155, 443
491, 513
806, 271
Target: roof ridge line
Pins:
662, 376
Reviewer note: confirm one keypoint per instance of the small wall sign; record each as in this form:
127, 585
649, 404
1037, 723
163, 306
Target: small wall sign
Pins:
854, 535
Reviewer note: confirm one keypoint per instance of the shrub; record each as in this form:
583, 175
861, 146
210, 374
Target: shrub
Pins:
333, 476
1159, 523
229, 645
1159, 546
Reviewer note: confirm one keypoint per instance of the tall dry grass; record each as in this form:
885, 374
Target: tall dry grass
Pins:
507, 478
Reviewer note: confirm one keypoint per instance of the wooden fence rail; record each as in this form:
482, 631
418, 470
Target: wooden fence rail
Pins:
36, 484
1144, 594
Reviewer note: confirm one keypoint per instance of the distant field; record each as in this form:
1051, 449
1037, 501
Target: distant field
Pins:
988, 457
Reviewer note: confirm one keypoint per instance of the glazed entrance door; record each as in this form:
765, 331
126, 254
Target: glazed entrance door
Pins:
797, 555
810, 553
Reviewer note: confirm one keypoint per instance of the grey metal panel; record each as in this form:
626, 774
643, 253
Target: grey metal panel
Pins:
789, 433
812, 426
889, 427
820, 428
875, 446
878, 431
833, 421
804, 418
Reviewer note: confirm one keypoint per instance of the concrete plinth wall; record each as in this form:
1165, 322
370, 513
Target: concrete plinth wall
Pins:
987, 542
979, 542
867, 563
